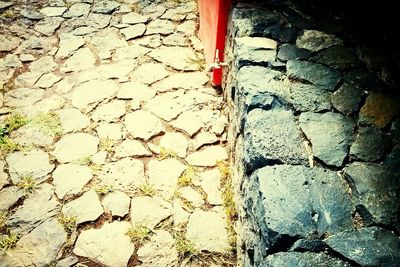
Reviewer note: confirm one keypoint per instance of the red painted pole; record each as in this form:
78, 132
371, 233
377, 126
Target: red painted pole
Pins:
213, 28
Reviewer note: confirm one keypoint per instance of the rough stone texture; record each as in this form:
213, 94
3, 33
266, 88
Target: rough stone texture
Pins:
306, 97
148, 211
69, 179
310, 207
206, 229
207, 157
8, 42
370, 144
67, 262
105, 7
75, 146
39, 247
159, 251
315, 40
82, 59
133, 31
368, 246
100, 244
347, 99
291, 52
123, 174
38, 208
86, 208
83, 96
175, 39
337, 58
136, 91
164, 174
9, 196
339, 136
165, 106
23, 97
141, 124
302, 259
32, 134
131, 148
48, 26
149, 73
271, 136
160, 26
255, 50
175, 57
134, 18
77, 10
34, 163
317, 74
175, 142
194, 80
53, 11
188, 122
379, 109
117, 203
375, 187
68, 45
72, 120
210, 182
110, 111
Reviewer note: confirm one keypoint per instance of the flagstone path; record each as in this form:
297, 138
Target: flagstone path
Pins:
112, 143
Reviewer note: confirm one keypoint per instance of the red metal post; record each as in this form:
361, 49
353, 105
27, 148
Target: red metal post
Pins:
213, 28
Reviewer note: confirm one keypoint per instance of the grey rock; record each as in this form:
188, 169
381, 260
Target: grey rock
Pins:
82, 31
154, 10
134, 31
69, 179
303, 245
395, 131
160, 26
151, 41
141, 124
376, 188
38, 208
315, 40
4, 5
291, 52
75, 147
98, 21
368, 246
77, 10
173, 15
69, 44
307, 97
175, 39
149, 73
53, 11
134, 18
347, 99
72, 120
188, 28
38, 247
271, 136
67, 262
339, 58
108, 245
207, 231
32, 134
392, 161
33, 163
22, 97
117, 203
175, 57
9, 196
105, 7
331, 146
8, 42
370, 144
149, 211
379, 109
159, 250
124, 174
82, 59
254, 50
302, 259
317, 74
86, 208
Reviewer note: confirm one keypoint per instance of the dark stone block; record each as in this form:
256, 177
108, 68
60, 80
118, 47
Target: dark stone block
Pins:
379, 109
339, 58
330, 135
395, 132
307, 97
370, 145
254, 51
292, 52
362, 79
314, 245
295, 259
372, 246
375, 187
392, 161
347, 99
317, 74
296, 201
271, 136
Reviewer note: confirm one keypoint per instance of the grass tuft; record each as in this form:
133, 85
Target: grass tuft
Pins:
104, 189
14, 121
198, 61
69, 223
138, 233
8, 241
185, 247
224, 169
188, 176
3, 219
107, 145
49, 123
166, 153
8, 14
27, 184
7, 145
147, 189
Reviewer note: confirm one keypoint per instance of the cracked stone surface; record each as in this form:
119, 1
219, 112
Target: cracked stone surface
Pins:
133, 118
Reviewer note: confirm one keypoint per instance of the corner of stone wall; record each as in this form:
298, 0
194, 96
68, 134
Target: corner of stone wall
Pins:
315, 146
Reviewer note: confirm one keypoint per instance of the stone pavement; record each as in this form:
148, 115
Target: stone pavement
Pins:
112, 145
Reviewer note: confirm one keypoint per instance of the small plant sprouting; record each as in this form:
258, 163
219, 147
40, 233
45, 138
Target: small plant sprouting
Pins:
8, 14
49, 123
8, 241
14, 121
224, 169
138, 233
7, 145
69, 223
27, 184
147, 189
185, 247
3, 219
107, 145
166, 153
83, 161
187, 176
199, 62
104, 189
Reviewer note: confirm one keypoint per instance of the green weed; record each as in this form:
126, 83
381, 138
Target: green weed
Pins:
138, 233
69, 223
14, 121
166, 153
188, 176
49, 123
8, 241
147, 189
185, 247
104, 189
27, 184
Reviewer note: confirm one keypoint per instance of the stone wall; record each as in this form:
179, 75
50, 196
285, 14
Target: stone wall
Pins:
315, 143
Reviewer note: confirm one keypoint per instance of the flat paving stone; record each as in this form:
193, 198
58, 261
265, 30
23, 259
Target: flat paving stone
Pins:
77, 10
74, 147
149, 211
134, 31
69, 44
175, 57
131, 148
100, 244
117, 203
72, 120
149, 73
110, 131
137, 91
175, 142
8, 42
53, 11
9, 196
141, 124
192, 80
82, 59
315, 40
48, 26
124, 174
134, 18
69, 179
207, 157
188, 122
86, 208
160, 26
110, 111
